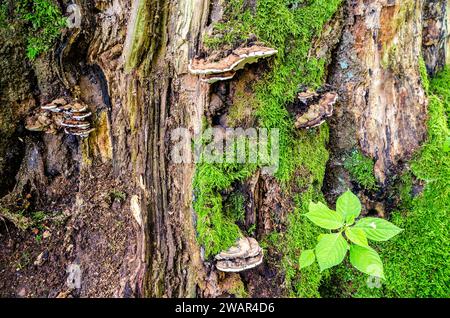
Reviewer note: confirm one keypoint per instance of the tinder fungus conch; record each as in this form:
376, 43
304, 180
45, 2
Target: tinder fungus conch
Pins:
246, 254
73, 118
315, 107
214, 69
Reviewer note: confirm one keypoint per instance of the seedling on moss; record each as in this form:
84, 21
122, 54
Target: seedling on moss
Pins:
332, 247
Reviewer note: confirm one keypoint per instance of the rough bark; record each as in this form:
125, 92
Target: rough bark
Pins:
130, 65
382, 107
143, 49
436, 35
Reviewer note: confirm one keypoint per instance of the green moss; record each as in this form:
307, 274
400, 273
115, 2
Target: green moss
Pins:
234, 207
291, 32
301, 235
290, 27
416, 262
238, 290
311, 157
361, 169
231, 30
440, 86
4, 15
216, 230
241, 113
140, 41
16, 217
43, 22
405, 189
424, 75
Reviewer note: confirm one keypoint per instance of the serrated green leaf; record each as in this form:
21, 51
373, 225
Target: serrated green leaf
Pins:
307, 258
377, 229
349, 206
322, 216
357, 236
331, 250
366, 260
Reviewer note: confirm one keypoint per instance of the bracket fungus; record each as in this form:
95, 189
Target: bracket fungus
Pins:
215, 69
214, 78
316, 107
246, 254
72, 117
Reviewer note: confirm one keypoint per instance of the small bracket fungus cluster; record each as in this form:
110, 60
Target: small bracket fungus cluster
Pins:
246, 254
214, 69
59, 114
313, 108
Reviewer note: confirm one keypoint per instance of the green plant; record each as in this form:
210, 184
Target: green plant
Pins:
332, 247
3, 14
361, 170
46, 24
38, 217
37, 22
251, 230
38, 238
117, 195
424, 216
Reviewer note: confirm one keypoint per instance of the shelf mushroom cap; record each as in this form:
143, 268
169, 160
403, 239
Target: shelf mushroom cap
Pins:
70, 123
244, 255
79, 132
38, 122
307, 96
240, 264
233, 62
71, 116
317, 113
81, 115
55, 105
74, 108
213, 78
